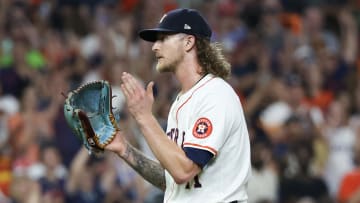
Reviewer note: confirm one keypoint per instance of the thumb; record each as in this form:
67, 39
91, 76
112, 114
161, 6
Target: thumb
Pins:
149, 89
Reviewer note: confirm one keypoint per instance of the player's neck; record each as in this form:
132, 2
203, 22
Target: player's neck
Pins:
188, 79
188, 72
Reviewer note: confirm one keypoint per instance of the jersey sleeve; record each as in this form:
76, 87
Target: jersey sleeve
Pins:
209, 128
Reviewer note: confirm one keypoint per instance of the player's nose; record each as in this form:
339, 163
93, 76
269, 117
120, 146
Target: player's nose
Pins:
155, 46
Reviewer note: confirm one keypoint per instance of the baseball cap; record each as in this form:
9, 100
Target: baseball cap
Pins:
183, 20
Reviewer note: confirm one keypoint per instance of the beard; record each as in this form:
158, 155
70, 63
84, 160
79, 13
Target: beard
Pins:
163, 66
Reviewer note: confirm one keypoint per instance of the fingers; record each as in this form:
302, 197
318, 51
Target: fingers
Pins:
149, 89
127, 86
139, 100
130, 84
134, 90
124, 90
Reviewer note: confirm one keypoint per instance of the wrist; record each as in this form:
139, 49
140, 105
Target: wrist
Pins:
125, 152
144, 119
118, 144
123, 146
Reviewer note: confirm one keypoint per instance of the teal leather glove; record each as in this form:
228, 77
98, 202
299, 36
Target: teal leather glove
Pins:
88, 112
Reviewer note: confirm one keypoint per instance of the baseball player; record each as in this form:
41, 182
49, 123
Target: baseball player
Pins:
204, 155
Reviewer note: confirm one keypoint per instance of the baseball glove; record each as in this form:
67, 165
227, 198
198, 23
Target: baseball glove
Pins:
88, 112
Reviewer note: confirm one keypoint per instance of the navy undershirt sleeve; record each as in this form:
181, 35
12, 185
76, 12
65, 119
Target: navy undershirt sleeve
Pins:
199, 156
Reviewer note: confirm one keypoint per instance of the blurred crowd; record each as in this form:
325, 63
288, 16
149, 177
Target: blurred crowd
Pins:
295, 67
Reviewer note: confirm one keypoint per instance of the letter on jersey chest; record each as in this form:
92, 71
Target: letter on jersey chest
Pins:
176, 136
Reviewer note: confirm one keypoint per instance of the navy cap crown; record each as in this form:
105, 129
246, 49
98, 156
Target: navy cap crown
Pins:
188, 21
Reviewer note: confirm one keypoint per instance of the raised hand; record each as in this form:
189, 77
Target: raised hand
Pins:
139, 100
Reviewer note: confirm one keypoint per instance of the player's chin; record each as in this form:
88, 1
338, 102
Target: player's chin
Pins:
163, 68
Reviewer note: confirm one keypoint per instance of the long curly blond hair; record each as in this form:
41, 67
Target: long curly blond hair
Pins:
211, 58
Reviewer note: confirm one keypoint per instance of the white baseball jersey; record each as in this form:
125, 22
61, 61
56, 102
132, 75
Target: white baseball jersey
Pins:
208, 123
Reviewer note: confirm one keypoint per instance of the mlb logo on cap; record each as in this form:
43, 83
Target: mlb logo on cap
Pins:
188, 21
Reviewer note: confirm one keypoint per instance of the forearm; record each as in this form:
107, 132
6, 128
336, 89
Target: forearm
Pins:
171, 156
76, 168
350, 42
147, 168
349, 33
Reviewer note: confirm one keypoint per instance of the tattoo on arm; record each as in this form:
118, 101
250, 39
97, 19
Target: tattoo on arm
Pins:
147, 168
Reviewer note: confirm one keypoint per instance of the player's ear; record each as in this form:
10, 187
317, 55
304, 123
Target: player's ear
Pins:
189, 42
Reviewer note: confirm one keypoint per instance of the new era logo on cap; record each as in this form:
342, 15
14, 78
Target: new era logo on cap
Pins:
187, 27
188, 21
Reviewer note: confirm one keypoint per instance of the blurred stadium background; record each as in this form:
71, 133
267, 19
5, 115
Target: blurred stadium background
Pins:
295, 67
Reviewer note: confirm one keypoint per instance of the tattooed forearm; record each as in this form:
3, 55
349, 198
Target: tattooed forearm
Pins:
147, 168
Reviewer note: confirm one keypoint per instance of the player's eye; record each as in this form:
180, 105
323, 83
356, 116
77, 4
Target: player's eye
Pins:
163, 36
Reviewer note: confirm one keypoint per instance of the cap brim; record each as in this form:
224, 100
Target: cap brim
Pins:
151, 34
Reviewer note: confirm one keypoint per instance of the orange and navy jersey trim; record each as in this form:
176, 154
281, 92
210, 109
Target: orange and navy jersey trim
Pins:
207, 148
